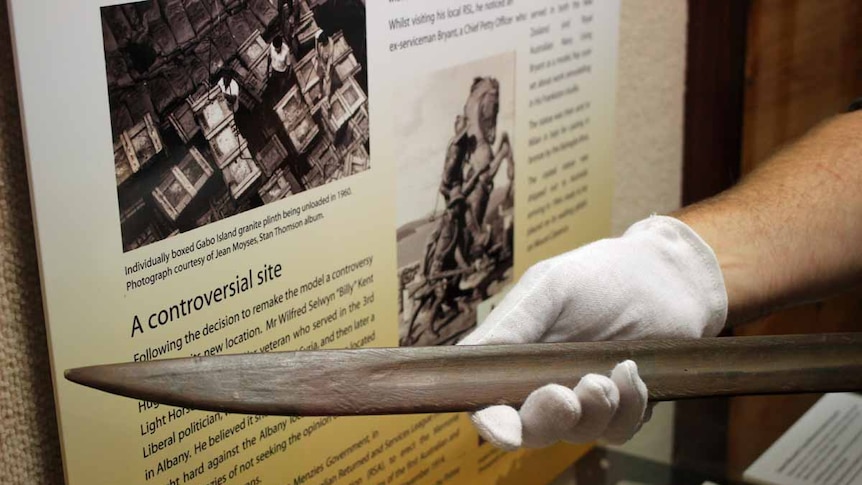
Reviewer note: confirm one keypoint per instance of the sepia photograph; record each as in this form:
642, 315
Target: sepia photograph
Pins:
222, 106
456, 171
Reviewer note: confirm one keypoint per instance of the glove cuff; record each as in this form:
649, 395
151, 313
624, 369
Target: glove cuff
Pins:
694, 260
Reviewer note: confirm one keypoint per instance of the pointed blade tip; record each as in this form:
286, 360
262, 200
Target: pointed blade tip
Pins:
102, 377
78, 375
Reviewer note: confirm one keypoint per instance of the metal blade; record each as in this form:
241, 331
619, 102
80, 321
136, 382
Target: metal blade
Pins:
452, 379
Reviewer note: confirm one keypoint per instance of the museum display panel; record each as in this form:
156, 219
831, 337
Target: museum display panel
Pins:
265, 176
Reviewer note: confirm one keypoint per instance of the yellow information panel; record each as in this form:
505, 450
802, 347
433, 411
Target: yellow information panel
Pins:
247, 176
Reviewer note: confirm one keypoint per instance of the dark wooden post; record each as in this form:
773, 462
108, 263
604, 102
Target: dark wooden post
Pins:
714, 100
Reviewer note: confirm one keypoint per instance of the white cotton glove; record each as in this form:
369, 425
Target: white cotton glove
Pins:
658, 280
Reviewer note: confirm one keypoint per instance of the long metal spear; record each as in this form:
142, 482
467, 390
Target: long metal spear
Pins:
450, 379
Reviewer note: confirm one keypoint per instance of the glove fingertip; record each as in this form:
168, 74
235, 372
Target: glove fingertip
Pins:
631, 386
599, 398
633, 403
546, 413
596, 387
499, 425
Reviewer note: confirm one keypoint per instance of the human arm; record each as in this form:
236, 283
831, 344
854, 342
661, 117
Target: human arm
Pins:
790, 232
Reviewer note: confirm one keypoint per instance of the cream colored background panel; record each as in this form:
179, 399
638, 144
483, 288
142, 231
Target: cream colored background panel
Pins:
648, 173
650, 105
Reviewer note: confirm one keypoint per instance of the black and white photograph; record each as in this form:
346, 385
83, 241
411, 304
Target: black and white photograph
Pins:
456, 171
222, 106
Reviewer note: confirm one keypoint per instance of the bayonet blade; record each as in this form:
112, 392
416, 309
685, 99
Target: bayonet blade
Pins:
462, 378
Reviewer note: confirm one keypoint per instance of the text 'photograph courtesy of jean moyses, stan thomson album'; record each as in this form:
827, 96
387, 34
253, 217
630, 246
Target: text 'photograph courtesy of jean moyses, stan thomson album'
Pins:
214, 111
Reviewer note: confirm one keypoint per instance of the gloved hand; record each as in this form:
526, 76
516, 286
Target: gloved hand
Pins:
658, 280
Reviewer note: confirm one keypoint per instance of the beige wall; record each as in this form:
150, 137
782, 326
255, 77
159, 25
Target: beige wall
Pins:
648, 170
650, 99
650, 107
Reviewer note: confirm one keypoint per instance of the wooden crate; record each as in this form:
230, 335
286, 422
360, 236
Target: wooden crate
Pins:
139, 227
264, 11
359, 124
333, 171
141, 143
227, 145
291, 109
308, 79
161, 93
241, 175
306, 70
276, 188
250, 89
212, 112
308, 30
260, 67
340, 47
195, 169
122, 168
296, 118
251, 85
139, 102
239, 69
303, 133
172, 197
338, 114
352, 95
347, 67
197, 71
179, 185
184, 122
221, 206
271, 156
323, 156
121, 118
253, 48
356, 159
255, 87
312, 179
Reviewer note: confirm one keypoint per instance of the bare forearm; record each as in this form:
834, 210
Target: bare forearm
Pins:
792, 230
